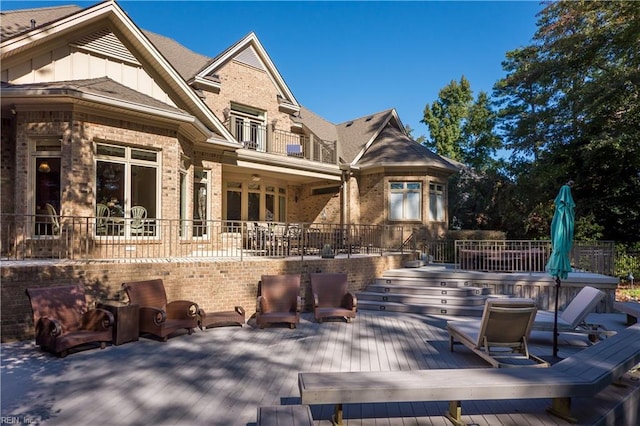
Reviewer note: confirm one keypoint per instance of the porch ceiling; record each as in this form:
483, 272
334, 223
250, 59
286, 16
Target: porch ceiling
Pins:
290, 175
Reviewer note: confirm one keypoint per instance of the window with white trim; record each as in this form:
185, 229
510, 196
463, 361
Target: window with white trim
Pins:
405, 201
47, 187
128, 177
248, 127
436, 202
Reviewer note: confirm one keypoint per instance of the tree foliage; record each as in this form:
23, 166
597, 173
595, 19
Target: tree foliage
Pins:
445, 117
570, 109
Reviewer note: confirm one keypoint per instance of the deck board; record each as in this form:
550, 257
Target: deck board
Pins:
222, 375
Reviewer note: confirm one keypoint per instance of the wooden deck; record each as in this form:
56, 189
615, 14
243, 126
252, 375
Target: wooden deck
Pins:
221, 376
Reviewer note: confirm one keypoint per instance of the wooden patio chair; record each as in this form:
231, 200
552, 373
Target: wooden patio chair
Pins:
157, 316
331, 298
501, 336
63, 321
279, 300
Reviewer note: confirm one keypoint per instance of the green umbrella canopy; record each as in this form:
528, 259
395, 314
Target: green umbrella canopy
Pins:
562, 228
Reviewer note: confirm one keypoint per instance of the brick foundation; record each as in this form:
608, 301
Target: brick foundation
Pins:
214, 285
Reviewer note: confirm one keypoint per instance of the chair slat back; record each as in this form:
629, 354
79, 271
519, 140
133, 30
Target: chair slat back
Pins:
506, 321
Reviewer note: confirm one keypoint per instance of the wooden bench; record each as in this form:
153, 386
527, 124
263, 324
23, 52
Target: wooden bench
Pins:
632, 309
284, 415
581, 375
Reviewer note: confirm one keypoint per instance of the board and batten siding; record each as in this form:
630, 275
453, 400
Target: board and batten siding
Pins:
100, 54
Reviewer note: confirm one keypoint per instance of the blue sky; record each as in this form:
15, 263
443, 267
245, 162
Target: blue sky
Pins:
344, 60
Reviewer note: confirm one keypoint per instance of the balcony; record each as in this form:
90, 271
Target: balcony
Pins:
261, 138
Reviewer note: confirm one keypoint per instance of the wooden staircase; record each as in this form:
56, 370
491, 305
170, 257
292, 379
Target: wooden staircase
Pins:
424, 294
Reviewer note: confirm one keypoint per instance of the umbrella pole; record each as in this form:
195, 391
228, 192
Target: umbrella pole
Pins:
555, 321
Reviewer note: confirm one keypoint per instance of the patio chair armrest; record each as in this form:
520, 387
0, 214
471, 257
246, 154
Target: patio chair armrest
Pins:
182, 309
156, 315
240, 310
48, 326
298, 303
97, 319
349, 301
316, 300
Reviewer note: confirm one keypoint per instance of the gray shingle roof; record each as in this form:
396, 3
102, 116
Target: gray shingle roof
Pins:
394, 147
318, 125
185, 61
354, 134
103, 86
15, 22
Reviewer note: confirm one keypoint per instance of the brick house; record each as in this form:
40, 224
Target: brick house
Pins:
96, 111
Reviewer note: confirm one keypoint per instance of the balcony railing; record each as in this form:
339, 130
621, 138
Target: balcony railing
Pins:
258, 137
87, 238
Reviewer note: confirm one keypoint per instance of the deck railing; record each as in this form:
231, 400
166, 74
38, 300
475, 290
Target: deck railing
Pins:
531, 255
87, 238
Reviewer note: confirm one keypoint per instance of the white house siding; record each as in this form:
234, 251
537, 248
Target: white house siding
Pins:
68, 63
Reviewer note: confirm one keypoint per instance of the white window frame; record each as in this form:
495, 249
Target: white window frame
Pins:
250, 117
128, 162
437, 211
405, 201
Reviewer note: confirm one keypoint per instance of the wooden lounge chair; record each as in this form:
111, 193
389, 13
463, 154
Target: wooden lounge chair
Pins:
331, 297
573, 318
63, 321
279, 300
500, 337
157, 316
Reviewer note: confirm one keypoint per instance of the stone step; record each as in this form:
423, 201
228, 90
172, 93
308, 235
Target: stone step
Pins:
428, 290
470, 311
422, 299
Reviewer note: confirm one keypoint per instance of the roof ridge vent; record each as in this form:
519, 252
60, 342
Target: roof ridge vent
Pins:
349, 124
369, 118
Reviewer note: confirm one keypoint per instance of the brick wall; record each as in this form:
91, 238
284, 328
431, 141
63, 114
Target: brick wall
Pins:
215, 286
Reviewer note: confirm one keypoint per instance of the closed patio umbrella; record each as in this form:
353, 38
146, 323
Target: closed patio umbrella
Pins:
562, 230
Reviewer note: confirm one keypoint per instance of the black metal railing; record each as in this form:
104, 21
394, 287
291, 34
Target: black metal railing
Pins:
261, 138
85, 238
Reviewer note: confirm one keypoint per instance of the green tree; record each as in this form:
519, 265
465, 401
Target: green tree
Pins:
445, 118
479, 142
570, 108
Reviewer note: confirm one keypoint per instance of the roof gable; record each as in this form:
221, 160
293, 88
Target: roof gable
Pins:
107, 28
249, 51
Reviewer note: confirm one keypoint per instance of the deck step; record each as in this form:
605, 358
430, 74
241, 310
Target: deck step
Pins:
469, 311
414, 291
412, 288
422, 299
423, 282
